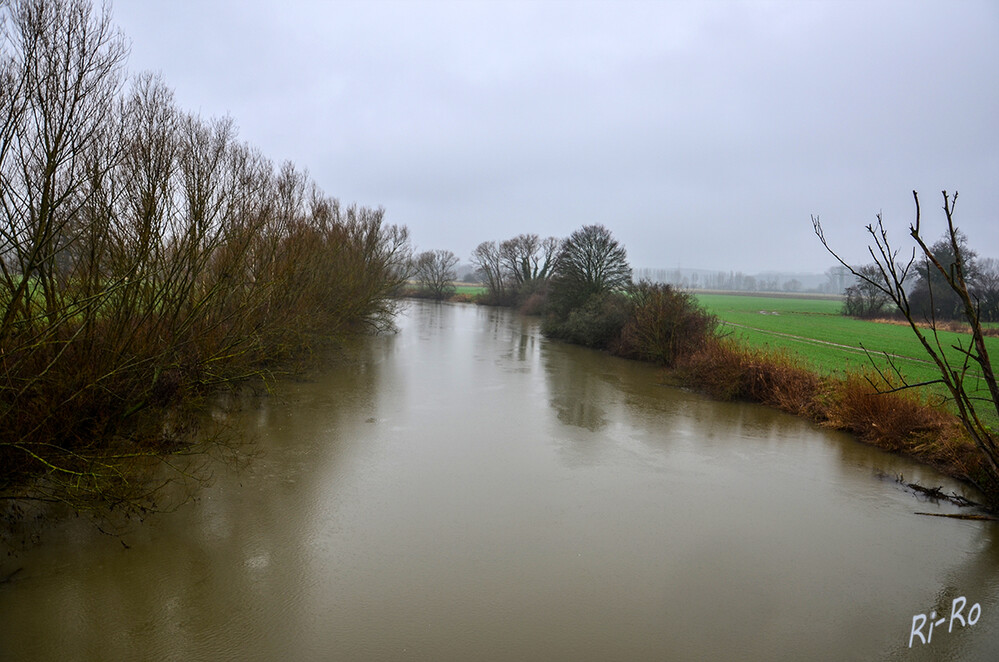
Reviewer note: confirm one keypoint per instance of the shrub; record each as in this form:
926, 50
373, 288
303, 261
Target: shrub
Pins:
666, 323
894, 421
730, 372
716, 368
597, 323
534, 304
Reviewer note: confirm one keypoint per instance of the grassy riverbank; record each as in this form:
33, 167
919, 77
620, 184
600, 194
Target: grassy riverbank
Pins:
906, 422
816, 333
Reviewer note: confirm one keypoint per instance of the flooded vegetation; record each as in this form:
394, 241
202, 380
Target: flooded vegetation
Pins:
471, 490
148, 258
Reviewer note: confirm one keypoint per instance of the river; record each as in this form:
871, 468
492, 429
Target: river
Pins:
468, 490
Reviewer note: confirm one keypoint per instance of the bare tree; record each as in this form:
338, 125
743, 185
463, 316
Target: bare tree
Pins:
986, 289
590, 262
863, 299
489, 265
65, 68
528, 259
955, 374
435, 271
147, 256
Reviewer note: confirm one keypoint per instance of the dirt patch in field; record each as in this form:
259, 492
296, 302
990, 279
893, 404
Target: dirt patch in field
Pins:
955, 326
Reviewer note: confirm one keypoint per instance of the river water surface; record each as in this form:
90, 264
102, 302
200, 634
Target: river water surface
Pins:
467, 490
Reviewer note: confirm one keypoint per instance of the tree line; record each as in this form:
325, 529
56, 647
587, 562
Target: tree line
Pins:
582, 287
148, 257
737, 281
930, 298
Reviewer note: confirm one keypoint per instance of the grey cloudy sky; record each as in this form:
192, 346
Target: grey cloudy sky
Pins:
703, 134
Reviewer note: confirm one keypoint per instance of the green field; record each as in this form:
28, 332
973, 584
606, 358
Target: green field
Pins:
829, 342
469, 289
815, 330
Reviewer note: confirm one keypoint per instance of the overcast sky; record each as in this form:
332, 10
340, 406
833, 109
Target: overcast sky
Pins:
703, 134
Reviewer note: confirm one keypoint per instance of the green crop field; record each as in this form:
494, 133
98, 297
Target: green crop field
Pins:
469, 289
829, 342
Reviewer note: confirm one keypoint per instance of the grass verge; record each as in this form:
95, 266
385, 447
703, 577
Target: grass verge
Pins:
816, 333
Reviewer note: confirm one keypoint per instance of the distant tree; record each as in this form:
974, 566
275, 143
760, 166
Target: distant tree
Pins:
489, 267
528, 259
836, 279
590, 262
793, 285
864, 299
985, 289
434, 270
932, 297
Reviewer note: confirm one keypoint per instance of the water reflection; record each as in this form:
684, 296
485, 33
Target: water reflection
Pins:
576, 390
468, 490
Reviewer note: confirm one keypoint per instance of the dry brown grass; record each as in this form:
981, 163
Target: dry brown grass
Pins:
729, 371
904, 422
900, 422
949, 325
894, 421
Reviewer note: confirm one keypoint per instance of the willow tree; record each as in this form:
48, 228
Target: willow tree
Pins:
147, 258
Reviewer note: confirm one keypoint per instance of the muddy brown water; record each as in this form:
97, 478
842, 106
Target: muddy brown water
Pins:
467, 490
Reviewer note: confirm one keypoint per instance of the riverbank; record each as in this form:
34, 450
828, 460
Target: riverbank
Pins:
149, 259
699, 354
900, 422
826, 341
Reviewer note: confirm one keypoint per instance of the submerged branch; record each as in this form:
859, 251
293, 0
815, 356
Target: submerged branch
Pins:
986, 518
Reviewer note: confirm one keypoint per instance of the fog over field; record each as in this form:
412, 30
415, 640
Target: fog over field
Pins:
704, 134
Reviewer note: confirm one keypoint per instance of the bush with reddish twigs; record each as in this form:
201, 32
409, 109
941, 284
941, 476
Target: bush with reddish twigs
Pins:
889, 420
730, 372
